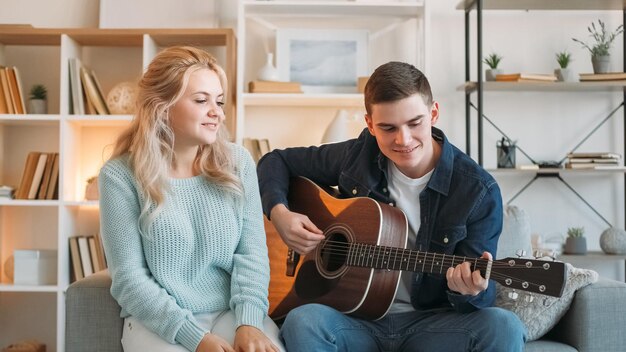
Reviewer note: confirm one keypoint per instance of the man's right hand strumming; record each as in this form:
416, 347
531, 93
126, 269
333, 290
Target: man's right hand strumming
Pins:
296, 230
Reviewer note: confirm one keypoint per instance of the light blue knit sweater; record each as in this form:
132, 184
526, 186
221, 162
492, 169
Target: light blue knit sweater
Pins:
206, 251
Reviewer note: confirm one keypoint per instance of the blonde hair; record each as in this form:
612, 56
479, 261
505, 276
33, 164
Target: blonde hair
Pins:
149, 140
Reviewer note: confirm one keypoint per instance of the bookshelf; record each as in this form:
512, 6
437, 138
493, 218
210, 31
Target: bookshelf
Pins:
482, 98
304, 117
83, 142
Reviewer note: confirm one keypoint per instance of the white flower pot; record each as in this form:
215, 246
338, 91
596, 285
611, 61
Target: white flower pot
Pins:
37, 106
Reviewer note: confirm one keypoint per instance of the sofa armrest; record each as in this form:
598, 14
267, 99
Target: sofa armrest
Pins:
93, 320
596, 319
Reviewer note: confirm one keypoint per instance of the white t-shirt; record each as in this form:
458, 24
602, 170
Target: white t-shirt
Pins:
405, 191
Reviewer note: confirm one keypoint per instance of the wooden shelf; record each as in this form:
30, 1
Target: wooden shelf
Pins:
335, 8
548, 171
28, 288
29, 120
28, 202
600, 86
545, 4
324, 100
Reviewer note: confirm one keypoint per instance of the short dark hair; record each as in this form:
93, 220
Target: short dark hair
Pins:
394, 81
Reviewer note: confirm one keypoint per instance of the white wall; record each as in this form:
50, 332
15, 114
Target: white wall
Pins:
546, 125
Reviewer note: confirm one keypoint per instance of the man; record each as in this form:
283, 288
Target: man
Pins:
453, 206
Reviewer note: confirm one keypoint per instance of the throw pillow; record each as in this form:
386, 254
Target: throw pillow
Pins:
515, 233
540, 313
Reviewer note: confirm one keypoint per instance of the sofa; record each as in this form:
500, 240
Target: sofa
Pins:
594, 322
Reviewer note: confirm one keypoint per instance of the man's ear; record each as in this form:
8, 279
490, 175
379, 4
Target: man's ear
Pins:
370, 124
434, 113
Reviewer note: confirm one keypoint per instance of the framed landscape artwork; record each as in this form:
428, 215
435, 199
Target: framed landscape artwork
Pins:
323, 61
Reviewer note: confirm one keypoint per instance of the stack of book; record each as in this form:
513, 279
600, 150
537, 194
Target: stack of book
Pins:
601, 160
610, 76
86, 95
274, 87
86, 256
11, 94
526, 77
40, 179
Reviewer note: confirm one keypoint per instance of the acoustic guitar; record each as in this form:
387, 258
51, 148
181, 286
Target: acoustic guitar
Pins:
356, 268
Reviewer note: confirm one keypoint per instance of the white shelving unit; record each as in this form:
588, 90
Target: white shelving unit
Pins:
392, 27
83, 143
475, 85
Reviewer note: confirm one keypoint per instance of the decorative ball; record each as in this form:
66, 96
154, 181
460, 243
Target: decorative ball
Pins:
121, 98
613, 241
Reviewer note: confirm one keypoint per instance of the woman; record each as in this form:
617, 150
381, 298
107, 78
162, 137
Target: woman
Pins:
181, 218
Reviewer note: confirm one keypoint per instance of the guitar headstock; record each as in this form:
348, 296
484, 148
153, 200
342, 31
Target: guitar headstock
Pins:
532, 275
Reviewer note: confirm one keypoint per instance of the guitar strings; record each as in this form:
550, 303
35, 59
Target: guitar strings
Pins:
355, 254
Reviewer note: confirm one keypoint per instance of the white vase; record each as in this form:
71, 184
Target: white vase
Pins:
37, 106
268, 72
337, 130
490, 74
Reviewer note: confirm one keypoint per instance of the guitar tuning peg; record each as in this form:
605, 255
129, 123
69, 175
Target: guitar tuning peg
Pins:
538, 254
513, 295
553, 255
529, 298
520, 253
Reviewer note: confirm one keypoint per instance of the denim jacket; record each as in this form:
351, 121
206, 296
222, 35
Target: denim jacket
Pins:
460, 208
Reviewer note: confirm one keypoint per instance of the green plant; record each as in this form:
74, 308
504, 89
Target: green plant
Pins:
38, 91
576, 231
602, 38
563, 58
493, 60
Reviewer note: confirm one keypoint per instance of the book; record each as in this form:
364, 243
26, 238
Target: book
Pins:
274, 87
252, 145
511, 77
593, 166
77, 271
20, 91
100, 248
99, 91
76, 88
27, 176
594, 155
85, 257
53, 184
593, 160
526, 77
530, 77
93, 97
610, 76
93, 252
37, 176
14, 90
4, 81
45, 180
3, 103
264, 146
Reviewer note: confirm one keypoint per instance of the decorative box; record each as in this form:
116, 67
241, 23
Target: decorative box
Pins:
35, 267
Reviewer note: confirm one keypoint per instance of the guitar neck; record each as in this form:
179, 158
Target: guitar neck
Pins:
391, 258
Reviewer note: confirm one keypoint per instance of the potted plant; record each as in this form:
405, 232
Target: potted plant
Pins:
37, 103
576, 243
563, 73
600, 55
492, 60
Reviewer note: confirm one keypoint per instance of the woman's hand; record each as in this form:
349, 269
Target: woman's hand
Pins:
250, 339
462, 280
213, 343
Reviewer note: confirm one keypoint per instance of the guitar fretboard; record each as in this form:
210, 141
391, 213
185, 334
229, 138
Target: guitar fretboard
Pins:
391, 258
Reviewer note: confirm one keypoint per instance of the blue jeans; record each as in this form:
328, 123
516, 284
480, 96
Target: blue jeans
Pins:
318, 328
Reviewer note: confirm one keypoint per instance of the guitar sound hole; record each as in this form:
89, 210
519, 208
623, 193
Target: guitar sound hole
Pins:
334, 253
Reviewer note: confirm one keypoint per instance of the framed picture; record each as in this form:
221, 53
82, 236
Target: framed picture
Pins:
322, 60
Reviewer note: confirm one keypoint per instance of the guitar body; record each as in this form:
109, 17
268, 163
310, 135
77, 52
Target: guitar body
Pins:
322, 276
